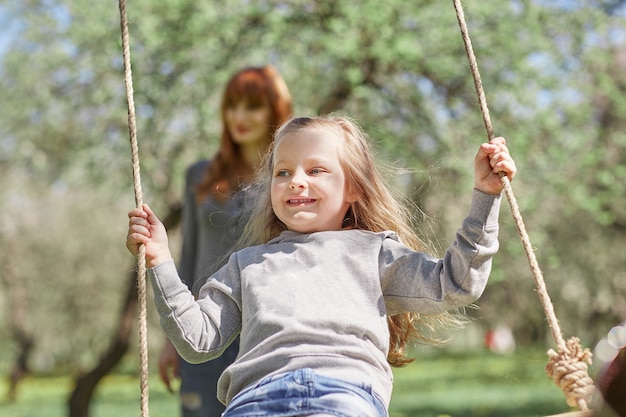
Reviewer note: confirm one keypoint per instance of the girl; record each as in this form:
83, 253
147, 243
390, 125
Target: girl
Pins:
334, 258
254, 103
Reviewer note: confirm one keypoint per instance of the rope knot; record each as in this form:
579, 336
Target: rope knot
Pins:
568, 369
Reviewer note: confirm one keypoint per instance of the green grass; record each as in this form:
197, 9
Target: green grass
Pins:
438, 384
476, 384
117, 396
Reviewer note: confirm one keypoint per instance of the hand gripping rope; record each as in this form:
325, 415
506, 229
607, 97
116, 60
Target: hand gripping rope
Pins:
568, 365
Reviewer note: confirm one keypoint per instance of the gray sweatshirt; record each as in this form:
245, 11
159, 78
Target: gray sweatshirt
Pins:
320, 300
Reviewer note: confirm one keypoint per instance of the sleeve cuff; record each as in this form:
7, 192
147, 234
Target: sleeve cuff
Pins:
160, 276
485, 208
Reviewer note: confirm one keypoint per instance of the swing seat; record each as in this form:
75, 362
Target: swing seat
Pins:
588, 413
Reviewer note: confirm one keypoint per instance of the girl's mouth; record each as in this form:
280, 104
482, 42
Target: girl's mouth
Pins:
298, 201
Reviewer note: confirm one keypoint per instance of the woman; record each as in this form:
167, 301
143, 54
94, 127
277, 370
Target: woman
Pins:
254, 103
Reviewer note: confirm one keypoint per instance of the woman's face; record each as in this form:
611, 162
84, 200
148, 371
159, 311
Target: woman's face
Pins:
248, 124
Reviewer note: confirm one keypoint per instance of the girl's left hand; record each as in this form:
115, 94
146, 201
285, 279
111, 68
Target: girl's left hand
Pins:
492, 159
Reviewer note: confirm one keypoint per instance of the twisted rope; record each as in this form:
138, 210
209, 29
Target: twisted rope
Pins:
568, 367
571, 375
141, 256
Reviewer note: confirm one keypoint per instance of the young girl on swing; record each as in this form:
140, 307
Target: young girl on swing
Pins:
333, 280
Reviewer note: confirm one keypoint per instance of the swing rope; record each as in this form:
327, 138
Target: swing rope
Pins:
141, 256
568, 366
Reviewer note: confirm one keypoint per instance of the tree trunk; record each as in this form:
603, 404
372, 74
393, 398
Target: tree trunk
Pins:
20, 368
86, 383
17, 311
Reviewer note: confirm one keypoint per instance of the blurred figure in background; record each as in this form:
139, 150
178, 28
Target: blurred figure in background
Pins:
254, 103
500, 339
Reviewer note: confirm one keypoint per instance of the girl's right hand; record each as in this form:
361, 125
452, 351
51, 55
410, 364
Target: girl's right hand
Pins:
145, 228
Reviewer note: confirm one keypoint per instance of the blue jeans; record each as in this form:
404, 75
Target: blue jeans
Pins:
303, 392
198, 388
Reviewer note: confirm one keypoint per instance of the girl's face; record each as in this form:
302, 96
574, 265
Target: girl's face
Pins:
309, 192
248, 124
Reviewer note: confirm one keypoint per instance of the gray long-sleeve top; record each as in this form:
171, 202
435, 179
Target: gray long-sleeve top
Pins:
320, 300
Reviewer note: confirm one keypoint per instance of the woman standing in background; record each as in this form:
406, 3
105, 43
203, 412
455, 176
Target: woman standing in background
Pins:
255, 102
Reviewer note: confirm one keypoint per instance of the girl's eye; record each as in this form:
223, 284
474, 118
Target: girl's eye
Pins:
282, 173
316, 171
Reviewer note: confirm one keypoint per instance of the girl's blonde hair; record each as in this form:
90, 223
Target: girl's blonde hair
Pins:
376, 209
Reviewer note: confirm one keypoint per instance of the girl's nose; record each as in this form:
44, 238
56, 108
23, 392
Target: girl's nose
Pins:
297, 181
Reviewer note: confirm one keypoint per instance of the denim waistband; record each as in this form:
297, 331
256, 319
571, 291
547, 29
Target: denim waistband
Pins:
303, 392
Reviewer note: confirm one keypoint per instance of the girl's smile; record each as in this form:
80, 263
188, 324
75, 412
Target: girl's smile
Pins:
300, 201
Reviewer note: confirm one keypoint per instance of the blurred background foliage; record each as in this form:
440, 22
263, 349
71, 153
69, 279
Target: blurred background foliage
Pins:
554, 75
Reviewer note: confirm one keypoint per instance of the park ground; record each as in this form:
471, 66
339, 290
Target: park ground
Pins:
440, 383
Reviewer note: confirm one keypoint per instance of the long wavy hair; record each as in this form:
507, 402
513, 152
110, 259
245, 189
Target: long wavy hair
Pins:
376, 209
257, 86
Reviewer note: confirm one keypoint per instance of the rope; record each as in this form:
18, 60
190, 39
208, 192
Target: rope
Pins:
568, 370
141, 256
568, 367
